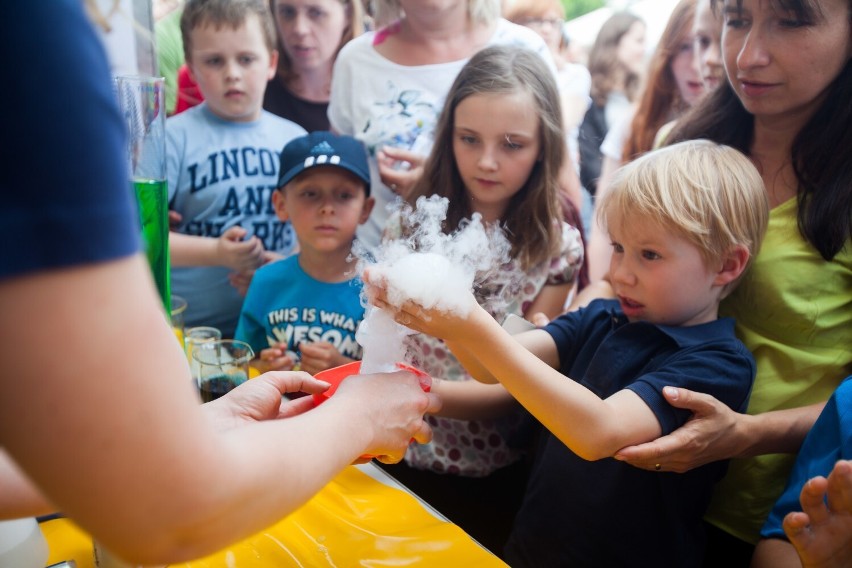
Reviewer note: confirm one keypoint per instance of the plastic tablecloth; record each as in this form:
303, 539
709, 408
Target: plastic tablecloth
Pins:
361, 518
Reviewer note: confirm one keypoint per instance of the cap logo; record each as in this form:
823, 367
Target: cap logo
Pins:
322, 148
319, 160
323, 154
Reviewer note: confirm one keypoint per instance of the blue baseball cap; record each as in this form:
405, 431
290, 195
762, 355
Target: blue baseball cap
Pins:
323, 148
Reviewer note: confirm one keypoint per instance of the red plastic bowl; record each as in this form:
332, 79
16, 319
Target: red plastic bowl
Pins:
336, 375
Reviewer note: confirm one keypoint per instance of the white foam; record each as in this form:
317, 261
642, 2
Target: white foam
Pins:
429, 267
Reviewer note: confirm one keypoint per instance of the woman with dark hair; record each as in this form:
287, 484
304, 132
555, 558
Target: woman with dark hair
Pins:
785, 105
310, 33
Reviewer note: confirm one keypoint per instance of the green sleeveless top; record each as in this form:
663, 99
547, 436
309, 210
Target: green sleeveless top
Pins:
794, 312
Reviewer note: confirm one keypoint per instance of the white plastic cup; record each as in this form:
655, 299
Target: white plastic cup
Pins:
22, 544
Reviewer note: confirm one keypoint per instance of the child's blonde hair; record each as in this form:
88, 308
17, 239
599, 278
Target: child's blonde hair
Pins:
233, 13
706, 193
531, 218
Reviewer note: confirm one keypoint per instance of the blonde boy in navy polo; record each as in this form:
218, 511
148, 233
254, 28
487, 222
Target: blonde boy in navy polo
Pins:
685, 222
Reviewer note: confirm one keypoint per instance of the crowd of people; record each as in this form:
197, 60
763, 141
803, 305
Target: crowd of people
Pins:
678, 233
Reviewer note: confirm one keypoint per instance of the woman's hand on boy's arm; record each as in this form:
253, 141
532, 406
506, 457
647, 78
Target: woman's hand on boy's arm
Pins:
715, 432
709, 435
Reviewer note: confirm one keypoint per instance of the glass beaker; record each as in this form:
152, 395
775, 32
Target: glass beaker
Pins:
197, 338
223, 365
142, 102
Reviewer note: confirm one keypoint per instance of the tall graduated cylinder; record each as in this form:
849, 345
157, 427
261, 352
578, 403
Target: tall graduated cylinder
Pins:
142, 102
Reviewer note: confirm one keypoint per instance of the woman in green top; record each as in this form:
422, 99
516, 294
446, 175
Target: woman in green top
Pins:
785, 105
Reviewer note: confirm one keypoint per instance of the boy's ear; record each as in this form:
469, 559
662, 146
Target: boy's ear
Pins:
733, 265
279, 203
273, 64
369, 203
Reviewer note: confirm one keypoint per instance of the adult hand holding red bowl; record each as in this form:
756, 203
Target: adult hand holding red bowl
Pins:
337, 375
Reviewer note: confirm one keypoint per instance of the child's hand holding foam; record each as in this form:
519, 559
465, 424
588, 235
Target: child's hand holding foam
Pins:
420, 306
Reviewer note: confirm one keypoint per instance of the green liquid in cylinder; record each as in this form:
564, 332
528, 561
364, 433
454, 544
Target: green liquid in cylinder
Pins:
152, 200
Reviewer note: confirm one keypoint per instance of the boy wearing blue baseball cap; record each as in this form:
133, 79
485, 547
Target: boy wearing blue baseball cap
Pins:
303, 311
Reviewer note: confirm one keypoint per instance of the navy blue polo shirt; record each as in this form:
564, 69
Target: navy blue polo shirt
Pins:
65, 185
608, 513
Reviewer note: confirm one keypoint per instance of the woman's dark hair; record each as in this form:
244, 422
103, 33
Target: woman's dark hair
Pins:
821, 152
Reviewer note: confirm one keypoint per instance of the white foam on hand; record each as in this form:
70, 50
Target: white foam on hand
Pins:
429, 267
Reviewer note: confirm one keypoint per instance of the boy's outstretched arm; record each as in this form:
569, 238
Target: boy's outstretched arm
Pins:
593, 428
472, 400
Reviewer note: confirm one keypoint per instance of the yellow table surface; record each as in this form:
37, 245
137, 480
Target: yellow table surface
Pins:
355, 520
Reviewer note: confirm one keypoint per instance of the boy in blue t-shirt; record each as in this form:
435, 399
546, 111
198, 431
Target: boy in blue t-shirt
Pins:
811, 523
684, 221
222, 160
304, 310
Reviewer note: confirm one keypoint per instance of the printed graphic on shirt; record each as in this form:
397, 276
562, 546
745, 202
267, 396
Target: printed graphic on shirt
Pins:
402, 120
234, 187
294, 325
